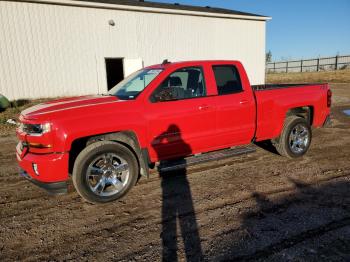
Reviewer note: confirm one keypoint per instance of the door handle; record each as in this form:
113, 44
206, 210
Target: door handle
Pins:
243, 102
204, 107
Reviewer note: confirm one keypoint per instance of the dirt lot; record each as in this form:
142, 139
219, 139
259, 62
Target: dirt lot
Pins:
255, 207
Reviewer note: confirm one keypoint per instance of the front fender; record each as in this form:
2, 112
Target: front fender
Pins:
130, 140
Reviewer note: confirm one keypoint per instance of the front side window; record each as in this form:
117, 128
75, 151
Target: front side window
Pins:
133, 85
227, 79
182, 84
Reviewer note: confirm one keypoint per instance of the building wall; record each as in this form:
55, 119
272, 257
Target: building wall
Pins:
54, 50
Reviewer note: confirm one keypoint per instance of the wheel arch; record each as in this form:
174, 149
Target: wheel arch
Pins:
127, 138
306, 112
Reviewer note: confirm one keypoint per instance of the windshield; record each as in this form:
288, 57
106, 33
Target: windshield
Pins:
134, 84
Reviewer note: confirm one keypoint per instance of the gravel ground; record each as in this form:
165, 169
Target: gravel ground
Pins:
258, 206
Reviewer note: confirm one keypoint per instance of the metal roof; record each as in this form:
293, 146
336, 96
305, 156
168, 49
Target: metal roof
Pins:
175, 6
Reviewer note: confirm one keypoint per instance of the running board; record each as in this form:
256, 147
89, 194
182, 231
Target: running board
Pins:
172, 165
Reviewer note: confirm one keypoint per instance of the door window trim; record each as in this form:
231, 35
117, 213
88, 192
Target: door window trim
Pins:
187, 98
238, 74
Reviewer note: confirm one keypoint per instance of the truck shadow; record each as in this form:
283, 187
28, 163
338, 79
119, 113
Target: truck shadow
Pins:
304, 226
177, 202
267, 146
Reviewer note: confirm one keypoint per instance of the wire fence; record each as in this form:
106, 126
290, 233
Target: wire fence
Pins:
310, 65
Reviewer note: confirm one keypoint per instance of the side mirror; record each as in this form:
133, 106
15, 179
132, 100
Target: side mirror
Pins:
165, 94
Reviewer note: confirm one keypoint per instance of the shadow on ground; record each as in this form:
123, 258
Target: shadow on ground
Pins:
310, 225
267, 146
301, 222
178, 207
177, 202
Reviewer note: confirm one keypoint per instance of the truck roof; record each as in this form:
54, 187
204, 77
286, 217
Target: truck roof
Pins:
185, 63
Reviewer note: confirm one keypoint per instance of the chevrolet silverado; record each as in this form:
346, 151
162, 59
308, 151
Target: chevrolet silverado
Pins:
161, 113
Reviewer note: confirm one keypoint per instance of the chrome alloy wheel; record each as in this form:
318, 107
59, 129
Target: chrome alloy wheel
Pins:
107, 174
299, 139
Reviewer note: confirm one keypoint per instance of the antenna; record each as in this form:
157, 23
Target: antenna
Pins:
165, 61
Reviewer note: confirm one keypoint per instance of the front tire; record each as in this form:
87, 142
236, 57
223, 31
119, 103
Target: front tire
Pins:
295, 138
104, 171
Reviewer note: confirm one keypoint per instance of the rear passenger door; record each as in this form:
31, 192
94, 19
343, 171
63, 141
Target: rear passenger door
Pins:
235, 119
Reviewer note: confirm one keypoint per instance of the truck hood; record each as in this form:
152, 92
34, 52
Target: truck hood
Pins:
44, 109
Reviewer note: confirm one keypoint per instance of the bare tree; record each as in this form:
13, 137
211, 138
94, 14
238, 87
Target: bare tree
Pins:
268, 57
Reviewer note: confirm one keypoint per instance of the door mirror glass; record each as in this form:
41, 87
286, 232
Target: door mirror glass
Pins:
165, 94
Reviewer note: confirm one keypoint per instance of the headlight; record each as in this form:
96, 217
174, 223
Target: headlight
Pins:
35, 129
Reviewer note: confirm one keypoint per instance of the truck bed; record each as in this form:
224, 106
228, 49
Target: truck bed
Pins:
275, 100
278, 86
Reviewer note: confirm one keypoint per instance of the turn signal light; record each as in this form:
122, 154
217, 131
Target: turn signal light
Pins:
38, 145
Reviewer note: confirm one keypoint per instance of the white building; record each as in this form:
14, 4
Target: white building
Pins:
51, 48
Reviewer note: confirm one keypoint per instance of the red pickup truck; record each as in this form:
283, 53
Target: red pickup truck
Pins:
159, 113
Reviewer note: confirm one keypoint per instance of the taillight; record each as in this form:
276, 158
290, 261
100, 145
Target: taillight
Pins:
329, 98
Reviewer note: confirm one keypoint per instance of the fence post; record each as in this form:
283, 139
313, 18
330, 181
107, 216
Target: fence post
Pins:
318, 64
287, 67
301, 66
336, 62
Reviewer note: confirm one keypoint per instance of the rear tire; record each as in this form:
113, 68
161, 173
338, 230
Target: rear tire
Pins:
104, 171
295, 138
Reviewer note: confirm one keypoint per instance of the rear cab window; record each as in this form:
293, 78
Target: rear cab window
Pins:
227, 79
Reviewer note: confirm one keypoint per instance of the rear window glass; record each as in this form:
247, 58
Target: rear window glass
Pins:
227, 79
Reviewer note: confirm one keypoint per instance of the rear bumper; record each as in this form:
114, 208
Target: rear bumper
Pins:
55, 188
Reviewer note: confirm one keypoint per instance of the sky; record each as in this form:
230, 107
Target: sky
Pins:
299, 29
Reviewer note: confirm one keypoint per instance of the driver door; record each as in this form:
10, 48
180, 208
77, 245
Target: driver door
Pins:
181, 118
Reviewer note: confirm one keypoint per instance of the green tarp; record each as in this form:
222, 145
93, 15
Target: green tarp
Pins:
4, 102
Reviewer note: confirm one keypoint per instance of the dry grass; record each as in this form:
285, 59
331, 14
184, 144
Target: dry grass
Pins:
340, 76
